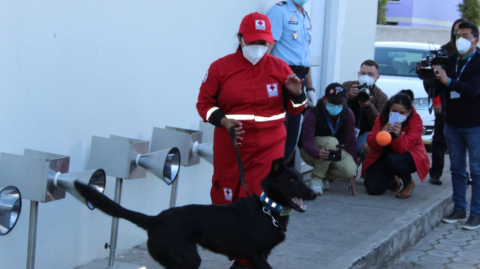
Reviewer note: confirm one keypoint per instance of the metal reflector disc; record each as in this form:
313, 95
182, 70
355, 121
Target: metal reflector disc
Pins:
97, 182
10, 207
172, 166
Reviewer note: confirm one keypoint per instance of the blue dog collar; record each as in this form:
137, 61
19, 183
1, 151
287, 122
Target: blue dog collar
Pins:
273, 206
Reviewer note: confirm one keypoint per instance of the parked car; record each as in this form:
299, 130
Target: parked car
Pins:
397, 62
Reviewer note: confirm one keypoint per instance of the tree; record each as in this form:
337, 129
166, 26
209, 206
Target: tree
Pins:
382, 10
470, 10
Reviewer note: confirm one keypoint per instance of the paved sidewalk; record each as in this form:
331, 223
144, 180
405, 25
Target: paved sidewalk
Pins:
446, 247
342, 231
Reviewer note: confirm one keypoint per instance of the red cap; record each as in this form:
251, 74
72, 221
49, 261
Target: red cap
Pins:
256, 26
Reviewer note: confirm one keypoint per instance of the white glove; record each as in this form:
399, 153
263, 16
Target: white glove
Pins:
311, 99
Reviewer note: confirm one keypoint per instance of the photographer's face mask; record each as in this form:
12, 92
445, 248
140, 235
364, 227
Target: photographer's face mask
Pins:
253, 53
463, 45
366, 79
334, 110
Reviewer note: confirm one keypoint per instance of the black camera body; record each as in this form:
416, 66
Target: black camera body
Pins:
426, 70
335, 155
364, 92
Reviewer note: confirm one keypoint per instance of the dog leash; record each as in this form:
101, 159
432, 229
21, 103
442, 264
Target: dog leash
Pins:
239, 160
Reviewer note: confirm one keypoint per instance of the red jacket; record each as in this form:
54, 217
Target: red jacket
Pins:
243, 91
410, 140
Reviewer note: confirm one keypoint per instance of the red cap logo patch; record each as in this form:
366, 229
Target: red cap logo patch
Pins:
260, 24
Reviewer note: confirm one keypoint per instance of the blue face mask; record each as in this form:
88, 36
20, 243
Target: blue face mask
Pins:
300, 2
334, 110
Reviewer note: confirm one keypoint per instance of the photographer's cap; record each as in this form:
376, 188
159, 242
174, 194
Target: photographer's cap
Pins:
335, 92
256, 26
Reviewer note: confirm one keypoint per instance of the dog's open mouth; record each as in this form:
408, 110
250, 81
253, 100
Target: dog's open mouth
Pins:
298, 205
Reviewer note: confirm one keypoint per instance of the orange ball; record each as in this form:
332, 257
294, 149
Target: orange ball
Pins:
383, 138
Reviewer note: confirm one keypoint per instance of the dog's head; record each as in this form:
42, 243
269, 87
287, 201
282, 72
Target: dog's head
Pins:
285, 186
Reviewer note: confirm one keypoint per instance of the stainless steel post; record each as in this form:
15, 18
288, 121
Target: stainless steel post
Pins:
114, 232
32, 234
173, 193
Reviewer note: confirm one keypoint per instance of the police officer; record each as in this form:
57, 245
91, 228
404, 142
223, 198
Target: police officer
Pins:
291, 29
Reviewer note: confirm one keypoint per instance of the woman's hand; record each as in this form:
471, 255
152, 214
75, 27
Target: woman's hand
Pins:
228, 123
397, 128
388, 127
294, 84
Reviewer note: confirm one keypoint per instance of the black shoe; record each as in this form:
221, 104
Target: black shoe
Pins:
456, 216
472, 223
435, 180
237, 265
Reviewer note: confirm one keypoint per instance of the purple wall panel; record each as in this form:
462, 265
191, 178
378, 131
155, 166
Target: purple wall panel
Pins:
435, 10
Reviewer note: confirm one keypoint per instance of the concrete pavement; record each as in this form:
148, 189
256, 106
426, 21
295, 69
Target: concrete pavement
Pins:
342, 231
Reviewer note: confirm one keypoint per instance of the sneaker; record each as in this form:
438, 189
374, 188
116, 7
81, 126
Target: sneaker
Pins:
317, 186
326, 184
435, 180
237, 265
472, 223
469, 179
455, 217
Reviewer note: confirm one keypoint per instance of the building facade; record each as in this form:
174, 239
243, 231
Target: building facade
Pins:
423, 13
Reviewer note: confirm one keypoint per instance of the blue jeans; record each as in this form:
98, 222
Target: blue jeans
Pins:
361, 140
459, 141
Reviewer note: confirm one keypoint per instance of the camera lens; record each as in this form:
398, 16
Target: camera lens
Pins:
363, 95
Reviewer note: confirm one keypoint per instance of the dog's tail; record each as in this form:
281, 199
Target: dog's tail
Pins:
111, 208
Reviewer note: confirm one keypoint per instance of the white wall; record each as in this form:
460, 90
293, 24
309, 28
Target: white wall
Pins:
357, 41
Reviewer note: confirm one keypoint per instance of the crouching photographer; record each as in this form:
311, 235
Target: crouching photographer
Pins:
365, 100
328, 141
397, 148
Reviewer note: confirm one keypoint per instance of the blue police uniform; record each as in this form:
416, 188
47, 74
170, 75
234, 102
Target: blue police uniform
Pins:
291, 32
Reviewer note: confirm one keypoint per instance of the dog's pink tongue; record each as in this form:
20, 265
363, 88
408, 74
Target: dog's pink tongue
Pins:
299, 202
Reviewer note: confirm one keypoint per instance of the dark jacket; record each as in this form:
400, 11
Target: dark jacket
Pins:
463, 112
309, 132
370, 113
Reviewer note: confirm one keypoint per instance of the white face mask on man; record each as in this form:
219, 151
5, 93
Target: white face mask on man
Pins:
366, 79
463, 45
253, 53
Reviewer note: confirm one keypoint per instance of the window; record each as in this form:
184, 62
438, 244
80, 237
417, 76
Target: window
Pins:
399, 61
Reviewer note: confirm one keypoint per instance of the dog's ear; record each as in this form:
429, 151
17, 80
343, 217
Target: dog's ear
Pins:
277, 166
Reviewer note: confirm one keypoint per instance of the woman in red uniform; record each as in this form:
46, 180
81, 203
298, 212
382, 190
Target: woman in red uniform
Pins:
249, 90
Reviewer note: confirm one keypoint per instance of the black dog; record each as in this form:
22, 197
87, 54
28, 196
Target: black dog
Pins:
244, 229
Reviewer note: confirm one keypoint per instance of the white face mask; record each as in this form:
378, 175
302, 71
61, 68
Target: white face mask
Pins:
253, 53
463, 45
402, 118
366, 79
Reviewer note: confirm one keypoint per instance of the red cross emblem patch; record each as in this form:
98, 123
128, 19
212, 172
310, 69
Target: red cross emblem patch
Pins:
272, 90
260, 24
228, 194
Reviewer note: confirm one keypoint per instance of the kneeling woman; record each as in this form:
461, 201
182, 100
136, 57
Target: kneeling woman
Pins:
406, 154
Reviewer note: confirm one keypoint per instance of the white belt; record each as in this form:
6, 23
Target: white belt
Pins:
256, 118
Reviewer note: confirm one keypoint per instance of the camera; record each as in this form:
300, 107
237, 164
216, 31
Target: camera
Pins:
364, 92
426, 70
335, 155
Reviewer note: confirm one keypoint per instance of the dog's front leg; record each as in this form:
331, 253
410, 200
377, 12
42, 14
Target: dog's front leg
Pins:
259, 262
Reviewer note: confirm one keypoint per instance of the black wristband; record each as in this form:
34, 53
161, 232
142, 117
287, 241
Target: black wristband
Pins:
216, 118
311, 89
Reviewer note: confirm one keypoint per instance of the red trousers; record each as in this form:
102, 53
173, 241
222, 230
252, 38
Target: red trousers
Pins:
260, 146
